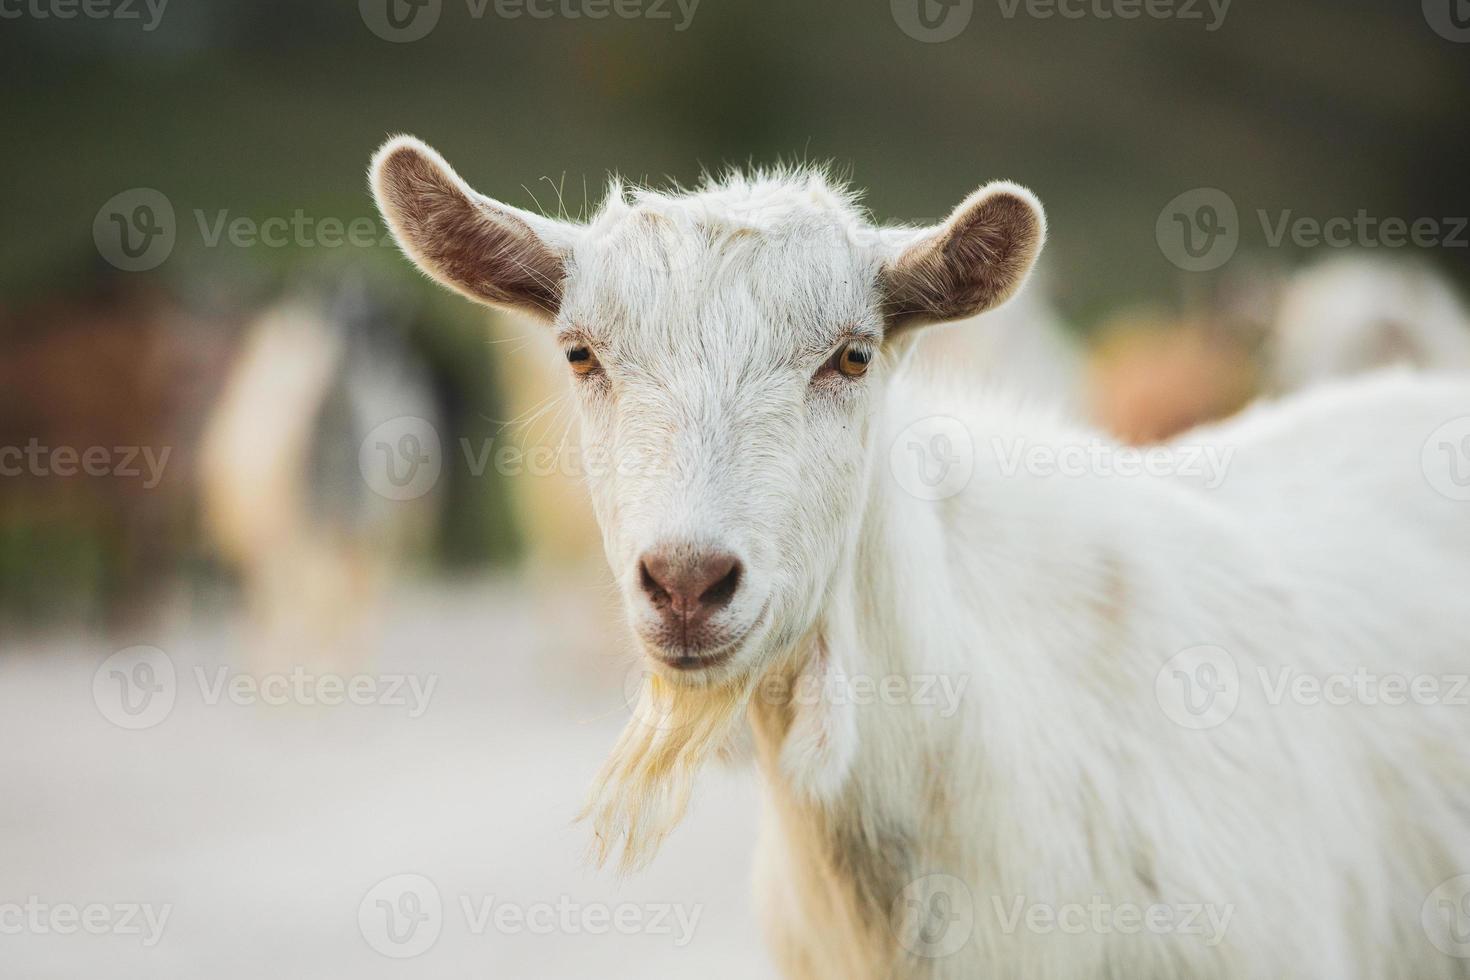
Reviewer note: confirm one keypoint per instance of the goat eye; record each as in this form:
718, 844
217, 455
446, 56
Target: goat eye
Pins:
852, 360
582, 360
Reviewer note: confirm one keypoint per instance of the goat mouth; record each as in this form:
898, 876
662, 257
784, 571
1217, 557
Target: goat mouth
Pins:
690, 661
696, 661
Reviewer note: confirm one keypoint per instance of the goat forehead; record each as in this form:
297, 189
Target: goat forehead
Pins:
704, 240
755, 224
755, 199
741, 334
707, 394
732, 291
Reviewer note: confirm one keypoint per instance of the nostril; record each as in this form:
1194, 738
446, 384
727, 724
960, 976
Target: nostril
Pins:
723, 590
650, 583
688, 582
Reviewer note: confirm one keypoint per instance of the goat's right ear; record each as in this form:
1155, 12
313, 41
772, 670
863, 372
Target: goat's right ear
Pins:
491, 252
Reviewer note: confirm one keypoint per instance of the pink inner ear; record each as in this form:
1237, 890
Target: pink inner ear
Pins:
970, 264
465, 242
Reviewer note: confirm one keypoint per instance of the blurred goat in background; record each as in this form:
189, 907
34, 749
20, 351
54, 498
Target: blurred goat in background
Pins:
1354, 314
1262, 332
286, 498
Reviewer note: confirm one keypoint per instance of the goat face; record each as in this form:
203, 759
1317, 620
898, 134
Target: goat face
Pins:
727, 348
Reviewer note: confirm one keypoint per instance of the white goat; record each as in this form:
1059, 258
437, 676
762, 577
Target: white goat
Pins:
739, 352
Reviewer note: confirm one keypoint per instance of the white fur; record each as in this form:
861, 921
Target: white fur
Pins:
1316, 832
1324, 828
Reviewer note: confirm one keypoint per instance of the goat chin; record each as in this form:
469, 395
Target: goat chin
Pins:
643, 789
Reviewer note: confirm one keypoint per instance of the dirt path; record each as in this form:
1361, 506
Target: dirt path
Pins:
266, 833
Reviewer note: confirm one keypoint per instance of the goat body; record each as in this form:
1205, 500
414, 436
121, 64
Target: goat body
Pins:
1280, 834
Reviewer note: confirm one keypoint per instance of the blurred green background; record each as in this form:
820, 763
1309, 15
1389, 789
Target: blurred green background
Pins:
1322, 106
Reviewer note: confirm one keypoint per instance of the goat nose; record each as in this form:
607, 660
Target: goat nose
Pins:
687, 584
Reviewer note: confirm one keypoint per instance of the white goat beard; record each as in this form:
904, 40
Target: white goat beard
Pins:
643, 790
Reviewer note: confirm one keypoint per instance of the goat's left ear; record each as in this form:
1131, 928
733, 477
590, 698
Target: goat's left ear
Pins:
973, 262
